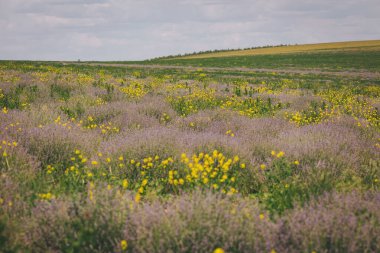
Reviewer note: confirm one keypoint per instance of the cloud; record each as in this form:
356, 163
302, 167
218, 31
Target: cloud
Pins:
140, 29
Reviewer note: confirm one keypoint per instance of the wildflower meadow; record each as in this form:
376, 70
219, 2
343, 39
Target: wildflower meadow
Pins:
143, 157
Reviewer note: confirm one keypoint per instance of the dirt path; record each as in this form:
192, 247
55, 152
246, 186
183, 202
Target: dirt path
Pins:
359, 74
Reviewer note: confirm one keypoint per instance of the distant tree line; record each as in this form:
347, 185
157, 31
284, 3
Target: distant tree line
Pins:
217, 51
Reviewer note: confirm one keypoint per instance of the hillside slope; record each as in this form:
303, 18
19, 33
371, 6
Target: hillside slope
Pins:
349, 45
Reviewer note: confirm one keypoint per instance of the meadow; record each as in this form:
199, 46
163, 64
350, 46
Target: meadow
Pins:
126, 157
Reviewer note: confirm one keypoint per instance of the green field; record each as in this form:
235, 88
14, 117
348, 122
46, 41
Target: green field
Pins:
335, 60
355, 59
260, 153
366, 45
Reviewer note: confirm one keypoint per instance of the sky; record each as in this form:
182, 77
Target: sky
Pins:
113, 30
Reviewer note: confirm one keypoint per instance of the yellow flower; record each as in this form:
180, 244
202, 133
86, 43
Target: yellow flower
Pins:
280, 154
137, 197
218, 250
94, 163
108, 160
296, 162
132, 161
5, 153
84, 160
263, 166
46, 196
273, 153
242, 165
123, 244
261, 216
121, 158
90, 174
125, 183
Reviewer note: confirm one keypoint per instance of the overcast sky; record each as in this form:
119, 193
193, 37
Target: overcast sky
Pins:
141, 29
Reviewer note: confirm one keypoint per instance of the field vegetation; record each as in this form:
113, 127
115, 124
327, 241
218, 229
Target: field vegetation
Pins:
350, 56
370, 45
135, 158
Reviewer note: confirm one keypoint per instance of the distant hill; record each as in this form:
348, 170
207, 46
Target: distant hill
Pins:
282, 49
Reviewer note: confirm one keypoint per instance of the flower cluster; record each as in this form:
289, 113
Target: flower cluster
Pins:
335, 103
197, 99
46, 196
6, 147
251, 107
214, 171
230, 133
134, 90
105, 128
313, 115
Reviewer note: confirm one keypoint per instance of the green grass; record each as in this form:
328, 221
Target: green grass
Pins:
335, 60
